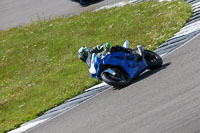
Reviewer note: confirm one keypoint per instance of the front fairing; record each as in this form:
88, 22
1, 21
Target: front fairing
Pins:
96, 64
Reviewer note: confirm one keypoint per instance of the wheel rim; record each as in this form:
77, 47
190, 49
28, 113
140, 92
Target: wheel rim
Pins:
119, 77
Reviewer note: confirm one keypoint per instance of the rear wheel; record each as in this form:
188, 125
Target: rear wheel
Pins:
121, 79
154, 60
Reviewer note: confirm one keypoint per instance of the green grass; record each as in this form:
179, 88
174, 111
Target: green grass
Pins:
39, 68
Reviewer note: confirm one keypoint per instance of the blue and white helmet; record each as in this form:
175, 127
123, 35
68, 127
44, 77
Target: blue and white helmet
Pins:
83, 53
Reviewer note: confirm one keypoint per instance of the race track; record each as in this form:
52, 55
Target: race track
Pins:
20, 12
162, 101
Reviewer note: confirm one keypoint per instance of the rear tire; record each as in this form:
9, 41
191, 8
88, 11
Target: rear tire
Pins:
120, 80
154, 60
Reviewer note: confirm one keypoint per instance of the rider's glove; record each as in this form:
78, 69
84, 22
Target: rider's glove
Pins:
107, 47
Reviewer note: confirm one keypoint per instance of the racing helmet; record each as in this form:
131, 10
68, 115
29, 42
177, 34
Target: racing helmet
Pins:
83, 53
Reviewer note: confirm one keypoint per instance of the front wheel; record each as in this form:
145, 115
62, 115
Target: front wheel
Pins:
154, 60
119, 80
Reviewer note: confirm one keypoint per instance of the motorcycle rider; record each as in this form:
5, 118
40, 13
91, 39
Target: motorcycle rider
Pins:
85, 54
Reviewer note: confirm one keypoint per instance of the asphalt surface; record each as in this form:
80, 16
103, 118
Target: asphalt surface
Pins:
20, 12
162, 101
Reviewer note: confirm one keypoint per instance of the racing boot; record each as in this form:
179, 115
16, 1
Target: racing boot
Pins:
126, 44
140, 50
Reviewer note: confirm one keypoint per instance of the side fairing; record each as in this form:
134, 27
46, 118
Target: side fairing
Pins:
126, 61
92, 69
119, 59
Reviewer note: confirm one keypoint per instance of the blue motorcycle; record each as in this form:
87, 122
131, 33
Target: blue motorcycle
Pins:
119, 68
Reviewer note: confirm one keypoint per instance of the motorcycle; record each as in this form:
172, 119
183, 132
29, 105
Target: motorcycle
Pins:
118, 69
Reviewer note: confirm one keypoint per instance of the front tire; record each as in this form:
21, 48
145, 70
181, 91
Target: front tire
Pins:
154, 60
119, 80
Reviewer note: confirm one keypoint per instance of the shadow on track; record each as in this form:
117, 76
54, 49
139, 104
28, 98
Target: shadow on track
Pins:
146, 74
87, 2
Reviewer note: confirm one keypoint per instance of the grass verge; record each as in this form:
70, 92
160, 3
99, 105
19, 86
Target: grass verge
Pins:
39, 68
